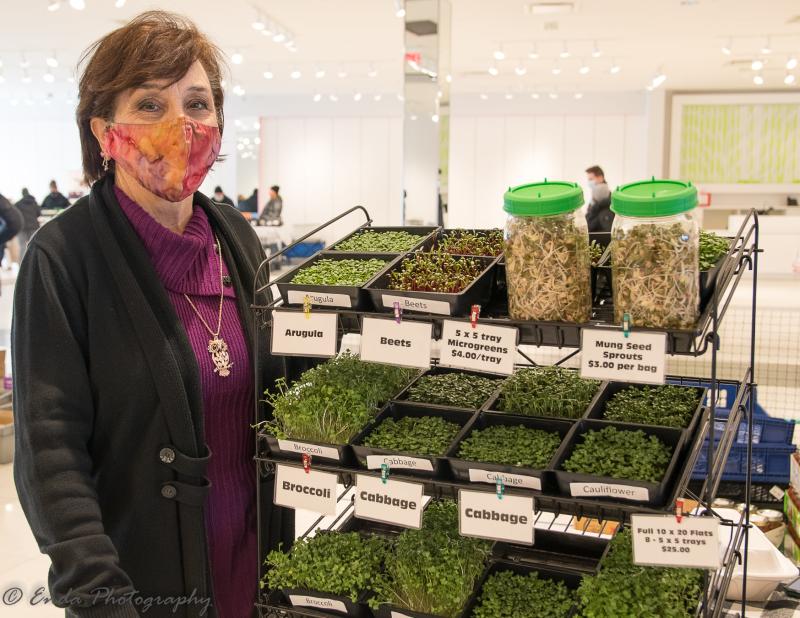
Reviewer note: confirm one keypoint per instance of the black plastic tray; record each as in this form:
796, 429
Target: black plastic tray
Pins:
708, 278
359, 298
358, 609
658, 493
570, 578
461, 467
439, 370
493, 407
398, 410
577, 552
483, 232
610, 389
427, 234
343, 450
478, 292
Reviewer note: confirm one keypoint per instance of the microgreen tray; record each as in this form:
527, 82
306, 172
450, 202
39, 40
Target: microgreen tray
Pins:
438, 370
346, 296
708, 280
435, 303
571, 579
609, 389
444, 233
407, 462
629, 491
293, 450
427, 236
575, 552
513, 476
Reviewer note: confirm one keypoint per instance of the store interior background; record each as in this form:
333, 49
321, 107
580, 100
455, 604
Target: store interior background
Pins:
356, 101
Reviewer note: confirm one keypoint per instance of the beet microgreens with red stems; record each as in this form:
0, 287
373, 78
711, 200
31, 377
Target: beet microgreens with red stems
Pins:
466, 242
435, 272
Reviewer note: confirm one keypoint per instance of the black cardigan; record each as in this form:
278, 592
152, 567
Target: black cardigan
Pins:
110, 454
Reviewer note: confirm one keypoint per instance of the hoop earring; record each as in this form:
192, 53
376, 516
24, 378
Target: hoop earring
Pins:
105, 162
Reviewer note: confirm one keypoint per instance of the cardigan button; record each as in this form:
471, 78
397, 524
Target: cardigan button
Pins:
227, 281
167, 455
169, 491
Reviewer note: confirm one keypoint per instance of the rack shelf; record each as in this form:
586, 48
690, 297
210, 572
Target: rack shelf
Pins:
555, 511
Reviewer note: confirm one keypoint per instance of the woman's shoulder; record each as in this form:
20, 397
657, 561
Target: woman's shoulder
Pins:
66, 230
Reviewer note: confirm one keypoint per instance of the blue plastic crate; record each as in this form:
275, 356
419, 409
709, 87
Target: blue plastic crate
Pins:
770, 463
305, 249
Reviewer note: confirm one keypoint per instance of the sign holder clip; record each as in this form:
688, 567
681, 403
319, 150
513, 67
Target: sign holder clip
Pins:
626, 324
398, 312
474, 314
679, 510
306, 463
384, 473
500, 487
307, 306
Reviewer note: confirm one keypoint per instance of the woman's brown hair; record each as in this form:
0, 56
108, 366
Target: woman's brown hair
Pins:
154, 45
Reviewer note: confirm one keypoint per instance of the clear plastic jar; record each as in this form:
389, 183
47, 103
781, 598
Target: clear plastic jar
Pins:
548, 264
655, 254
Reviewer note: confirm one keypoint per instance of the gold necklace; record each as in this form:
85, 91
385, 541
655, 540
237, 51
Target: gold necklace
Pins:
216, 345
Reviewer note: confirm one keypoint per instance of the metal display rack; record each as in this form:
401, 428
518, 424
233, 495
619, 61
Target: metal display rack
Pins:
555, 512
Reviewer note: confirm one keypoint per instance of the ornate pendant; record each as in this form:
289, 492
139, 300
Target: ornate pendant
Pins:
219, 354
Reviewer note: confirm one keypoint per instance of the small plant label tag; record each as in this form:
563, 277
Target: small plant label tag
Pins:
624, 492
509, 480
487, 348
485, 516
321, 299
315, 450
407, 344
607, 354
374, 462
294, 333
303, 600
659, 540
399, 615
392, 502
313, 491
426, 305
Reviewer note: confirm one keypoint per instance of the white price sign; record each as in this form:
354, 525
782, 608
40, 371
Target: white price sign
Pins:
659, 540
484, 515
407, 344
392, 502
483, 348
607, 354
313, 491
296, 333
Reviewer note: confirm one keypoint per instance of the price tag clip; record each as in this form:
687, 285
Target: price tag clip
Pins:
626, 324
307, 306
306, 463
474, 314
679, 510
384, 473
500, 487
398, 312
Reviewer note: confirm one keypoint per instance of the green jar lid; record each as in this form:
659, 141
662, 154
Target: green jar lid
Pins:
542, 199
654, 198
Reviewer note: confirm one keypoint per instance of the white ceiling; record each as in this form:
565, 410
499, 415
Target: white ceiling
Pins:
682, 38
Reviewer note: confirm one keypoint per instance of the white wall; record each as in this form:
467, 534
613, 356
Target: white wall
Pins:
421, 169
504, 143
325, 165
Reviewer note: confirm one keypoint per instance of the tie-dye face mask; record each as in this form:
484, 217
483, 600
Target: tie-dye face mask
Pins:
170, 159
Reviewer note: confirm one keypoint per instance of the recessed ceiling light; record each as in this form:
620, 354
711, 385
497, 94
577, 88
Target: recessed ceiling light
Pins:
767, 47
520, 70
317, 98
789, 79
78, 5
377, 97
268, 75
49, 78
341, 74
53, 5
434, 117
535, 95
727, 48
556, 70
659, 79
757, 65
319, 73
791, 63
509, 96
296, 74
279, 37
237, 58
499, 54
333, 98
533, 54
413, 116
584, 70
357, 97
615, 68
258, 24
372, 73
758, 79
596, 53
553, 95
493, 71
399, 9
448, 78
578, 95
238, 90
400, 98
51, 61
564, 52
484, 96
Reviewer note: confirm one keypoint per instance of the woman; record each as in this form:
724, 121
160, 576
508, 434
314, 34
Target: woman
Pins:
133, 378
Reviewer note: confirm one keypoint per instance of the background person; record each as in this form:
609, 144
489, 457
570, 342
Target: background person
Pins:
31, 211
117, 304
271, 215
599, 215
220, 197
55, 200
10, 225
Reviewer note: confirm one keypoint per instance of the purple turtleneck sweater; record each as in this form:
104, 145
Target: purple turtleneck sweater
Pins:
188, 264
